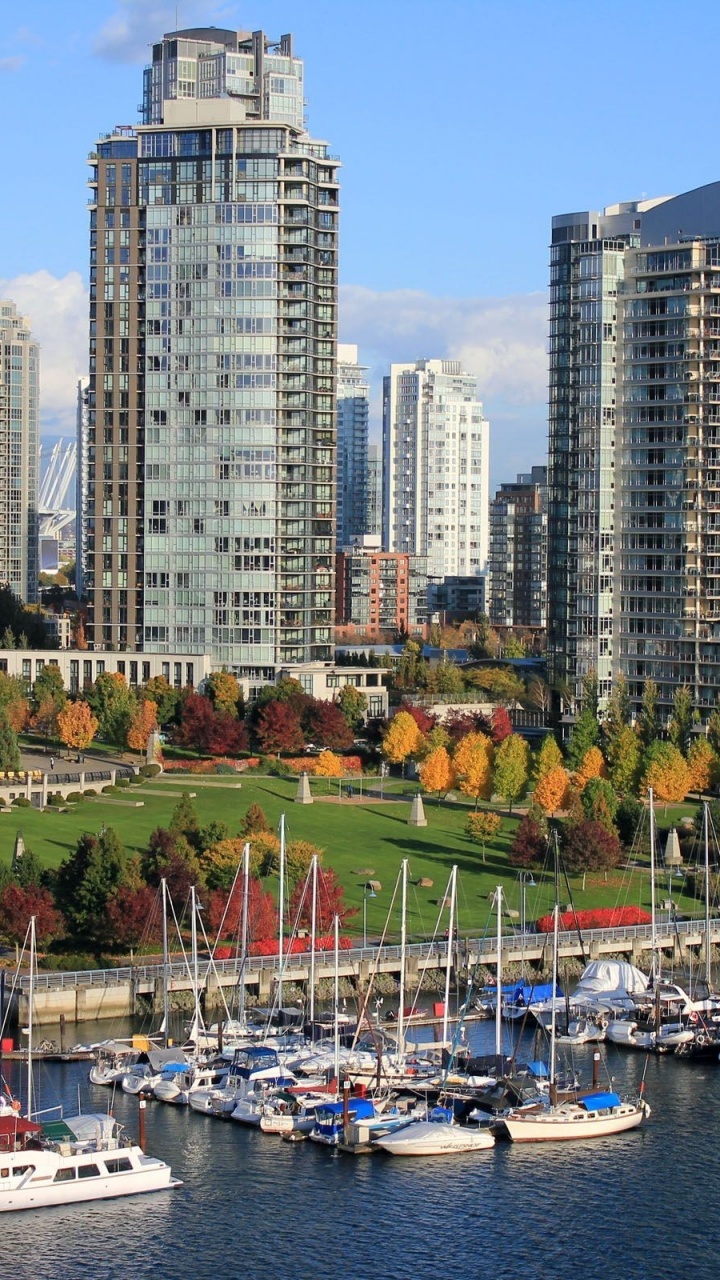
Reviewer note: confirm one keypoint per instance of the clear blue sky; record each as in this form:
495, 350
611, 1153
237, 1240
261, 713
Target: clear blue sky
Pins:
462, 127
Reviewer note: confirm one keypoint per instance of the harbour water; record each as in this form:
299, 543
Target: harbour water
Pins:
641, 1205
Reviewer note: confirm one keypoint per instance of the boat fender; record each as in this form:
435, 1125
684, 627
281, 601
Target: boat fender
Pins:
694, 1016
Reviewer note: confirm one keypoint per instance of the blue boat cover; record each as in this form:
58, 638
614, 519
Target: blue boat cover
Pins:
599, 1101
530, 995
361, 1108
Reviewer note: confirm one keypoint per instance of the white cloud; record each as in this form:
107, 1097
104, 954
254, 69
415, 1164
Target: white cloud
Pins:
501, 340
58, 313
131, 29
11, 64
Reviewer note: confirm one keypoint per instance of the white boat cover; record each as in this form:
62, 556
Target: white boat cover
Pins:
610, 979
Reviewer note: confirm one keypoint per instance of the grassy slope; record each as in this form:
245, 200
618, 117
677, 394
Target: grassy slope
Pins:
356, 837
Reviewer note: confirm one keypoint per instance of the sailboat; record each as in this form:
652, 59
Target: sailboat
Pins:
76, 1159
590, 1115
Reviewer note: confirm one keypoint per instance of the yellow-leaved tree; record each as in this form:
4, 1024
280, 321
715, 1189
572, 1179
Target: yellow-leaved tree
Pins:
329, 765
702, 765
666, 771
403, 739
436, 771
473, 763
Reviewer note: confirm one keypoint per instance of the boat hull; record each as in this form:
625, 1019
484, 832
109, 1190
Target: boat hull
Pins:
146, 1175
568, 1127
427, 1138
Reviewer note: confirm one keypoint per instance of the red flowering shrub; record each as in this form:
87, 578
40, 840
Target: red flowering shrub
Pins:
269, 946
599, 918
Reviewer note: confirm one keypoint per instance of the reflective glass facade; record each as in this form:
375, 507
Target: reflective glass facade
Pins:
212, 394
19, 454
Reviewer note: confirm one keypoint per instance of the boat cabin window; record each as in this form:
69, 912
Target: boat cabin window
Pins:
88, 1171
64, 1175
122, 1165
18, 1170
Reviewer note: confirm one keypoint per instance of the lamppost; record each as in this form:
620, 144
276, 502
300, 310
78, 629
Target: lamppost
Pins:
526, 882
368, 892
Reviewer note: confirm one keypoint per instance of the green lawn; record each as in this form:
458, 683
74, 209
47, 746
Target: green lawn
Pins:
362, 840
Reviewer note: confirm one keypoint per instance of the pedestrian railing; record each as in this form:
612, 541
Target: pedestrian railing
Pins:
469, 948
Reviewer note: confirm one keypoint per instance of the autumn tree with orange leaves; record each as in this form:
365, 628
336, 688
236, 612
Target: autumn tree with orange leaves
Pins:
143, 723
551, 790
702, 765
437, 773
77, 726
592, 766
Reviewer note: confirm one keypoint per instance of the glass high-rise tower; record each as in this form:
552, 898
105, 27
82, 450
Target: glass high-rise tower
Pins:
19, 454
211, 406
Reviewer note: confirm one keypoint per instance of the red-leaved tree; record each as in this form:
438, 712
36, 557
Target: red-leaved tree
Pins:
330, 902
17, 905
261, 911
278, 728
132, 917
325, 724
500, 725
204, 729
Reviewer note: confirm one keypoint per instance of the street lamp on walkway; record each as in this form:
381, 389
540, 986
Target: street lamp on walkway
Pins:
368, 892
526, 882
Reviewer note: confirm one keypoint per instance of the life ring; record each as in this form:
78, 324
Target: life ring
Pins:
701, 1039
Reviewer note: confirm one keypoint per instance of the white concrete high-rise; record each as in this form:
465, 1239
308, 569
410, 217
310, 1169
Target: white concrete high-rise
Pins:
436, 467
634, 458
19, 454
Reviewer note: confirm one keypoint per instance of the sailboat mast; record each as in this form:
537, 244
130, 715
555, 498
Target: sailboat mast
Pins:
281, 910
654, 975
31, 1001
498, 989
166, 976
706, 816
403, 947
452, 894
196, 970
244, 935
313, 931
336, 926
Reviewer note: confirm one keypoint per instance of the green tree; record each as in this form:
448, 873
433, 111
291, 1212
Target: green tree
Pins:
353, 704
49, 685
512, 768
599, 802
548, 757
86, 881
501, 684
166, 699
185, 821
8, 639
9, 751
411, 671
649, 720
585, 734
624, 760
446, 679
590, 699
682, 719
114, 704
